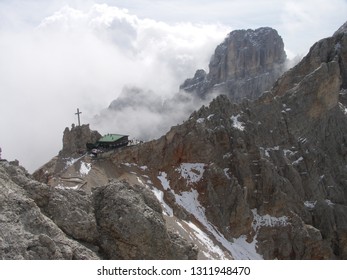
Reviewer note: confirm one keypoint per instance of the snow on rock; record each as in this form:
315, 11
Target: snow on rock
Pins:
167, 210
239, 249
328, 201
210, 117
242, 250
70, 161
62, 187
227, 155
267, 220
192, 172
207, 241
343, 108
289, 153
267, 150
85, 168
189, 201
200, 120
164, 181
245, 250
236, 123
226, 173
310, 204
296, 162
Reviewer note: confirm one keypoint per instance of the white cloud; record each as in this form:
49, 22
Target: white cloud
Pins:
57, 55
83, 58
307, 21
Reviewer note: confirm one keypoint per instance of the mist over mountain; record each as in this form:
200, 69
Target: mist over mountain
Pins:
244, 66
82, 58
257, 179
58, 56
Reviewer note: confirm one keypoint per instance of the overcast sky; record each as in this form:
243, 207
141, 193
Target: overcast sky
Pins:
56, 56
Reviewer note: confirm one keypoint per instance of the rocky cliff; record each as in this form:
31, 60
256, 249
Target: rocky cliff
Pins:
260, 179
245, 65
117, 221
271, 172
76, 138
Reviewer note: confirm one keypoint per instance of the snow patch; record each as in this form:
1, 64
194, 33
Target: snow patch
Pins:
227, 155
192, 172
129, 164
268, 221
70, 161
296, 162
62, 187
239, 249
85, 168
343, 108
200, 120
210, 117
164, 181
329, 202
302, 140
310, 204
289, 153
167, 210
204, 239
267, 150
226, 170
236, 123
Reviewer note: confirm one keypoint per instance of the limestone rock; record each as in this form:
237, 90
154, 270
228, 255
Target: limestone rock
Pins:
131, 225
117, 222
274, 168
25, 232
75, 140
74, 146
245, 65
269, 174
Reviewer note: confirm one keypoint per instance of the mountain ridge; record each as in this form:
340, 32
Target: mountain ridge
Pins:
261, 179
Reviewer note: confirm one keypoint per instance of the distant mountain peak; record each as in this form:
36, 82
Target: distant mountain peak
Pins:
244, 65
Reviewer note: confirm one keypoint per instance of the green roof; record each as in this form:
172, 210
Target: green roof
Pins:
111, 137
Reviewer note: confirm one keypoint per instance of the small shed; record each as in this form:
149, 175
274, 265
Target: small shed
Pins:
112, 141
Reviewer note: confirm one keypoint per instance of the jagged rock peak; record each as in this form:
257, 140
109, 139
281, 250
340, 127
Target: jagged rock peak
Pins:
75, 140
282, 156
116, 221
342, 29
245, 65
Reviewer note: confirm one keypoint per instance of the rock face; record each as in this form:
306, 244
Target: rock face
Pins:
75, 140
25, 232
131, 225
116, 222
74, 146
271, 171
245, 65
258, 179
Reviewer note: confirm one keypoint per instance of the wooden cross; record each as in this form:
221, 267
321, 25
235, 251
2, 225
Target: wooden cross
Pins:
78, 115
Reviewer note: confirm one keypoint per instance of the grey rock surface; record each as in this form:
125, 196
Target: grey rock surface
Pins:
131, 225
275, 168
27, 233
245, 65
76, 138
118, 221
